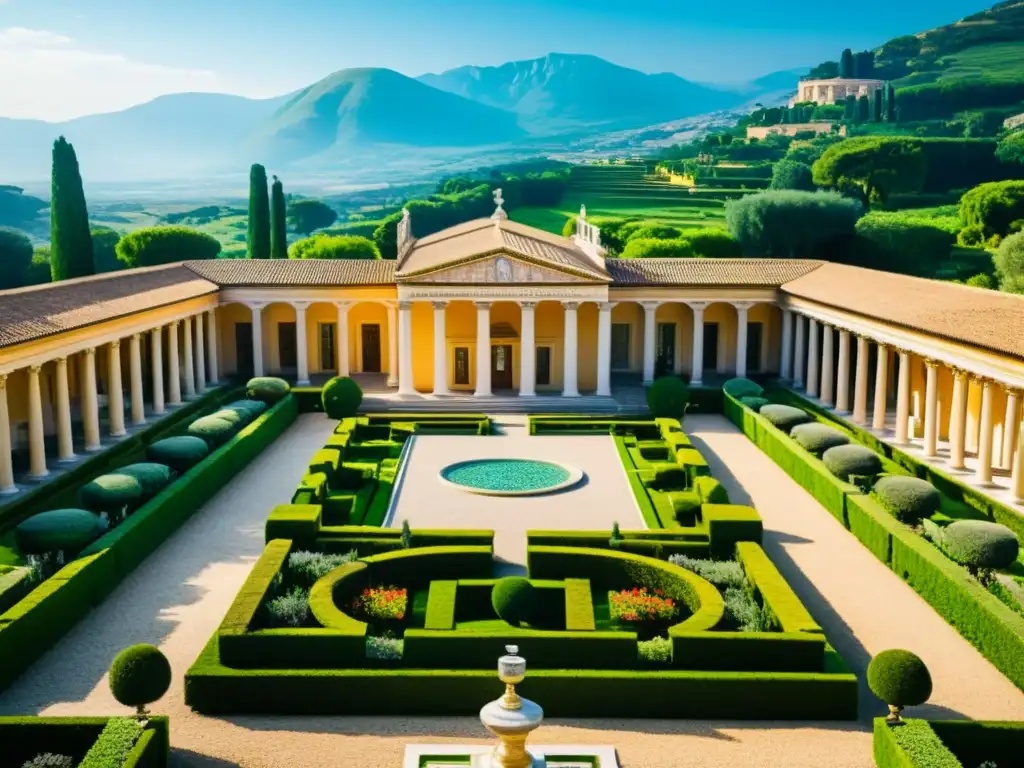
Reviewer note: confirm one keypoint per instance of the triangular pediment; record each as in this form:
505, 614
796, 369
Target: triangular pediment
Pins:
501, 268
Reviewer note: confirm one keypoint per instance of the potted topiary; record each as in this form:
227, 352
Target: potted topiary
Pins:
140, 675
900, 679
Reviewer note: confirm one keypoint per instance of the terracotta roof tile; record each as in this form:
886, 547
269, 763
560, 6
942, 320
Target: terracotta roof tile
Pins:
299, 272
683, 272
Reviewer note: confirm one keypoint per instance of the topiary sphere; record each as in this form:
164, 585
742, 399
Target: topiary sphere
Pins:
784, 417
139, 675
755, 402
818, 438
236, 417
267, 388
341, 397
213, 430
899, 678
909, 499
179, 453
64, 530
514, 599
848, 461
667, 398
247, 408
980, 544
111, 493
740, 388
153, 477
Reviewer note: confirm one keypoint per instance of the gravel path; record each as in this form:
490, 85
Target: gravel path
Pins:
179, 595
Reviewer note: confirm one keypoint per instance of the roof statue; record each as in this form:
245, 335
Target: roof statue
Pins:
499, 214
404, 230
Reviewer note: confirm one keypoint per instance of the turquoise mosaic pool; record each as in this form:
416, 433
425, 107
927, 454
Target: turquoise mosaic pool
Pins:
510, 476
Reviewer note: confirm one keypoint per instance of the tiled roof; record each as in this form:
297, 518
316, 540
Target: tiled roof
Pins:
480, 237
685, 272
975, 316
42, 310
299, 272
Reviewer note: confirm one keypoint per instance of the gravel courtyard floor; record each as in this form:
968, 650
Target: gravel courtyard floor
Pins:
179, 595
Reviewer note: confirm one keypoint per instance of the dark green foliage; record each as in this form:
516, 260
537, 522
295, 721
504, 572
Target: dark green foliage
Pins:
755, 403
818, 438
139, 675
166, 245
306, 568
111, 493
901, 243
236, 417
15, 258
307, 215
278, 222
667, 397
877, 111
890, 103
153, 477
38, 272
514, 599
324, 246
249, 409
70, 240
290, 609
341, 397
849, 461
980, 544
863, 109
179, 453
785, 417
983, 280
876, 166
430, 216
740, 388
50, 760
790, 174
114, 744
650, 248
788, 223
1009, 264
212, 429
1011, 148
59, 530
899, 678
267, 388
909, 499
914, 741
712, 243
846, 64
955, 164
104, 250
993, 207
710, 491
258, 236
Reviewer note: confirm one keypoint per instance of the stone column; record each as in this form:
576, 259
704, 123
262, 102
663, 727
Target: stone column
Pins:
173, 372
341, 338
800, 353
958, 420
786, 361
157, 369
65, 444
604, 349
742, 308
881, 387
405, 383
570, 351
200, 355
528, 350
392, 345
1018, 465
650, 329
188, 367
697, 363
983, 473
36, 442
843, 375
931, 409
135, 379
257, 339
441, 348
827, 372
7, 485
90, 403
813, 358
212, 358
1010, 427
903, 399
860, 384
301, 343
115, 394
483, 349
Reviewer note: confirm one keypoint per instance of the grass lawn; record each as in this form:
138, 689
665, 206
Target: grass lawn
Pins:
991, 62
633, 206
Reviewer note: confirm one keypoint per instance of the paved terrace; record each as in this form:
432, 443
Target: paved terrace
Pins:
179, 595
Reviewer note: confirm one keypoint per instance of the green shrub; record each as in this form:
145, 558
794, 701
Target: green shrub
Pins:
179, 453
909, 499
50, 760
307, 568
114, 744
656, 652
59, 530
667, 398
788, 223
712, 243
755, 403
1009, 264
290, 609
214, 430
113, 494
899, 678
721, 573
740, 388
993, 207
139, 675
818, 438
267, 388
152, 246
785, 417
685, 506
514, 599
341, 397
235, 417
248, 408
743, 612
710, 491
669, 477
849, 461
651, 248
153, 477
978, 544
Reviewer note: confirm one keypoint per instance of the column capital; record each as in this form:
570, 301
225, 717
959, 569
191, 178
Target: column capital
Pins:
743, 306
482, 305
530, 305
3, 381
136, 337
34, 369
932, 362
1013, 392
174, 324
571, 305
650, 306
300, 306
256, 306
91, 351
405, 305
606, 306
345, 305
115, 344
958, 373
697, 306
442, 305
61, 360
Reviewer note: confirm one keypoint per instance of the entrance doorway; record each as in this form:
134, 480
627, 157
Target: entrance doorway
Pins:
665, 362
287, 348
755, 339
327, 348
371, 348
501, 366
243, 349
710, 347
620, 346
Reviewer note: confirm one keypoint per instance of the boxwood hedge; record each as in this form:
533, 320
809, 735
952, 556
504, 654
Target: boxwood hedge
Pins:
818, 438
785, 417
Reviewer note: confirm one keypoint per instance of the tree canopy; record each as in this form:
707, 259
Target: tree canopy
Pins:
259, 214
104, 250
15, 258
308, 215
334, 247
71, 243
875, 166
1009, 263
166, 245
649, 248
791, 174
278, 222
1011, 148
788, 223
992, 209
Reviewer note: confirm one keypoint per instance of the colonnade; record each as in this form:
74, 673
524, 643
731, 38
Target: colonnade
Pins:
190, 371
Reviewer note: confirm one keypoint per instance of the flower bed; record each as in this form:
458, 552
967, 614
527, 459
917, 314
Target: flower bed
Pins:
638, 605
382, 603
86, 741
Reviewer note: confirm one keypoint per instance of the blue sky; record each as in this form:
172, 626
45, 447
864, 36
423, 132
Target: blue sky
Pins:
64, 58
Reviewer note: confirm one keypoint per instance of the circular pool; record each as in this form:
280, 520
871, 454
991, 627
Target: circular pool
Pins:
510, 477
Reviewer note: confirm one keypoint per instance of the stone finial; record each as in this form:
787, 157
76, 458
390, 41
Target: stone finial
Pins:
499, 214
404, 229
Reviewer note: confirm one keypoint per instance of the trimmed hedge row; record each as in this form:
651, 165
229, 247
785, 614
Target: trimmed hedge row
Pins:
25, 737
912, 745
579, 606
948, 743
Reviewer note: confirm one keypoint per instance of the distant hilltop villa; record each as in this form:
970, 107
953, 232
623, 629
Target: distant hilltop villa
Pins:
831, 90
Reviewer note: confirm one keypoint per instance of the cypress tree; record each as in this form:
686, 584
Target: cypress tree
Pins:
890, 103
278, 222
846, 64
863, 109
850, 108
876, 106
70, 239
864, 64
259, 214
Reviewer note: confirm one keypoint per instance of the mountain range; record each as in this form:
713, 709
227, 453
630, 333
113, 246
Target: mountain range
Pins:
333, 123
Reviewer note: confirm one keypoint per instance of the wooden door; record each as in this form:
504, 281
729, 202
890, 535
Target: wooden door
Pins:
243, 349
371, 348
287, 347
501, 366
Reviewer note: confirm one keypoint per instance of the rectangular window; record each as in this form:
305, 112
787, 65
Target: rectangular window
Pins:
543, 365
462, 366
328, 361
620, 346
